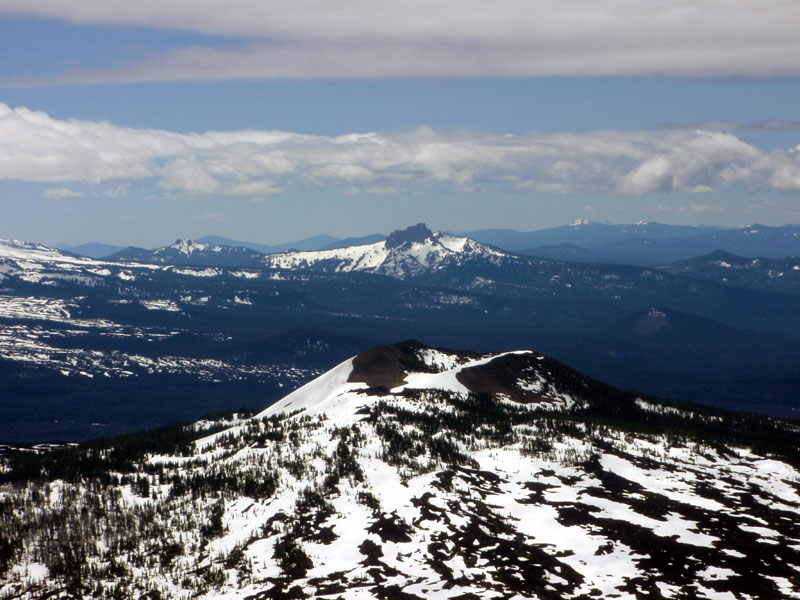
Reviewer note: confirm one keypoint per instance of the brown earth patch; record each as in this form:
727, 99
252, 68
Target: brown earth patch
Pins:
379, 367
385, 367
500, 376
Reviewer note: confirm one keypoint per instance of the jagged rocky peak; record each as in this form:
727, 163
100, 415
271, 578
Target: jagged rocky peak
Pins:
416, 233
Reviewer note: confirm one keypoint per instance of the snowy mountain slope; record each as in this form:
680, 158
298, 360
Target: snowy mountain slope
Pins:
408, 472
402, 254
34, 330
29, 253
36, 263
18, 256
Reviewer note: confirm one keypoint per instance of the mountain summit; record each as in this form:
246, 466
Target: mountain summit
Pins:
403, 253
418, 233
410, 472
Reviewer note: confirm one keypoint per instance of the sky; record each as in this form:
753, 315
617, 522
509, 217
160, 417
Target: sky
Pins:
140, 123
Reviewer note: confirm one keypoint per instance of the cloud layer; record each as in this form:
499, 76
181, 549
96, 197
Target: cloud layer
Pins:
464, 38
37, 148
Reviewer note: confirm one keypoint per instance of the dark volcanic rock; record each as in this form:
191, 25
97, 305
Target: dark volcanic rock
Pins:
501, 376
415, 233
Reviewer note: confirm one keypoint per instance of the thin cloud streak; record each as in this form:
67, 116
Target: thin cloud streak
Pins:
555, 21
771, 125
250, 163
309, 39
379, 60
58, 193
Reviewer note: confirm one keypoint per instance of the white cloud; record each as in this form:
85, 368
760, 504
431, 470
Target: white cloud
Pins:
56, 193
250, 188
769, 125
118, 191
465, 38
185, 174
655, 174
387, 190
349, 172
786, 175
37, 148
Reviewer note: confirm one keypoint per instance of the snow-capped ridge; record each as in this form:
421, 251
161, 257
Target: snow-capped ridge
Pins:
404, 253
21, 250
188, 247
408, 366
32, 256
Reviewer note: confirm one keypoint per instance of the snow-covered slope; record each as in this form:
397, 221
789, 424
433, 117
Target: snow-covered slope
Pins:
34, 263
45, 307
32, 253
404, 253
413, 473
20, 255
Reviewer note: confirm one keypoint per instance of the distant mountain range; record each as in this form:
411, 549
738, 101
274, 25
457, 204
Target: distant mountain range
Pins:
638, 249
315, 242
586, 234
773, 274
352, 241
188, 252
404, 253
417, 250
90, 249
644, 244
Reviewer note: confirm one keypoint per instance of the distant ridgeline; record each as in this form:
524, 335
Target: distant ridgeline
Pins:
411, 472
91, 348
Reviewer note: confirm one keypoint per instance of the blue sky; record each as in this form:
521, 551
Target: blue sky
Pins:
138, 124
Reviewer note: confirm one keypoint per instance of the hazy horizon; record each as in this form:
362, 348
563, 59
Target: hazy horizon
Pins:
278, 242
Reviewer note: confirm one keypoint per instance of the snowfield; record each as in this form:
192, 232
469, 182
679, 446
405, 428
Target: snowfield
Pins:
397, 475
